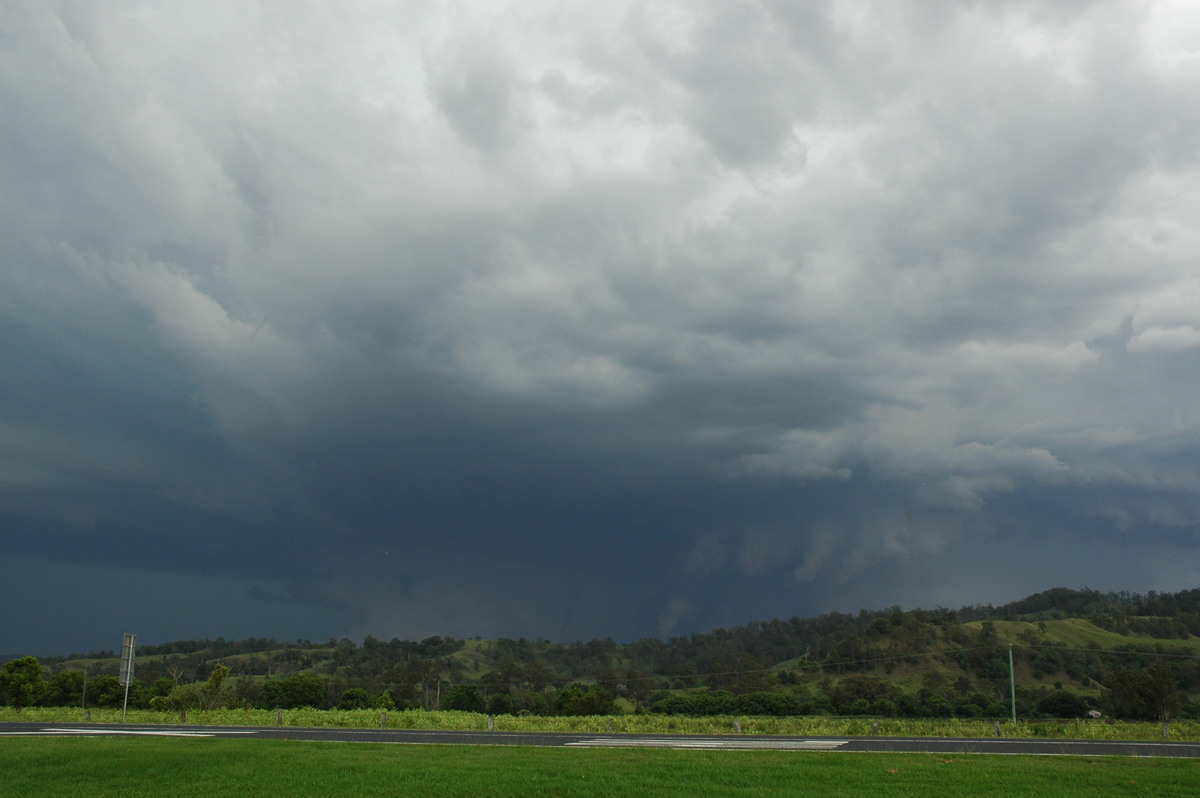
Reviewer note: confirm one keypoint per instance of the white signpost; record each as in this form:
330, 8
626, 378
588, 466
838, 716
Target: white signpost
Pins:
126, 676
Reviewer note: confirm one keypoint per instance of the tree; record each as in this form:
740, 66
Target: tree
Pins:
464, 697
300, 690
22, 683
639, 685
356, 698
579, 699
856, 686
740, 673
1151, 693
65, 689
608, 680
500, 704
1063, 704
538, 675
429, 674
106, 691
213, 695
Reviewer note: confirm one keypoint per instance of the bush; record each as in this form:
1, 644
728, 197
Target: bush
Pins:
464, 697
884, 708
774, 704
710, 702
1063, 704
356, 698
500, 704
301, 690
579, 699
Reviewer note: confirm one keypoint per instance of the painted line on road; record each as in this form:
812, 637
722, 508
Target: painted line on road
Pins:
122, 732
680, 742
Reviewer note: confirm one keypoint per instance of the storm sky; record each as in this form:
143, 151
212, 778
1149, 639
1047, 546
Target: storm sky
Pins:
577, 320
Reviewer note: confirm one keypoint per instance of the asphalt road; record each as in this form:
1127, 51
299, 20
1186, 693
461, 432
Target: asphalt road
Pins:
931, 745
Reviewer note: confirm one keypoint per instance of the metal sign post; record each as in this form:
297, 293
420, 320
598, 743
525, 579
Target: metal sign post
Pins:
126, 677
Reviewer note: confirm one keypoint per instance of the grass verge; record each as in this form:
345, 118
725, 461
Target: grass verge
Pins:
100, 767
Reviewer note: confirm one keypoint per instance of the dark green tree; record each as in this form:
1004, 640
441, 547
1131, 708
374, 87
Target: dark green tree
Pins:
106, 691
856, 686
639, 685
214, 694
356, 698
1063, 704
538, 675
500, 704
300, 690
1150, 693
463, 697
740, 673
22, 683
580, 699
65, 689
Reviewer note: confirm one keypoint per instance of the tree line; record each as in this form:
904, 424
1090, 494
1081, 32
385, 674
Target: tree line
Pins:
1149, 693
780, 666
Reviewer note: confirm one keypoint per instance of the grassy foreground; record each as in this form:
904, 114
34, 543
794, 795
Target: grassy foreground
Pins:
832, 726
99, 767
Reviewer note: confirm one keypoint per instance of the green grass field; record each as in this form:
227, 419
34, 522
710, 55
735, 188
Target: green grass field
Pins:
99, 767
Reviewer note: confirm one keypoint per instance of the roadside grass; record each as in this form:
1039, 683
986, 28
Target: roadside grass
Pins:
106, 766
815, 725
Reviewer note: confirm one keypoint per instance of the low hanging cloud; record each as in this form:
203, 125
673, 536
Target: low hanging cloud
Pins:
550, 321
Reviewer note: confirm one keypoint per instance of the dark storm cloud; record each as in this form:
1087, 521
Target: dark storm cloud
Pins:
567, 323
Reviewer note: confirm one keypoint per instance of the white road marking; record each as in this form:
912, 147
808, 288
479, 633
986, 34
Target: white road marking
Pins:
102, 731
683, 742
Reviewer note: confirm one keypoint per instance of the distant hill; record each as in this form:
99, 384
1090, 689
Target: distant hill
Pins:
1059, 638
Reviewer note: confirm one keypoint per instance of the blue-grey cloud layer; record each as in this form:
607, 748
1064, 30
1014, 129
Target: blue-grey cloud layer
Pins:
550, 321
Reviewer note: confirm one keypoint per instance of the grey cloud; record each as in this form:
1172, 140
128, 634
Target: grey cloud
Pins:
474, 89
671, 315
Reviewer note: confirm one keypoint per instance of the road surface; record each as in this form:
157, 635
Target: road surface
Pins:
930, 745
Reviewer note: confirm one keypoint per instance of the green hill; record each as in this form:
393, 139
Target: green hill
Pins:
1060, 639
